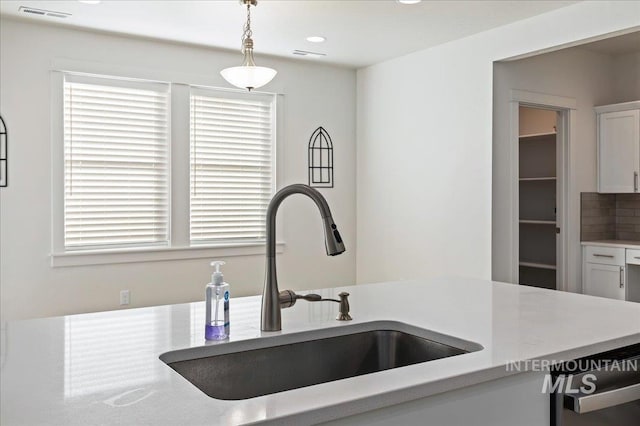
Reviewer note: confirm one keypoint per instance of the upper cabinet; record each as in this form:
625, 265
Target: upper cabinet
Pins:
618, 147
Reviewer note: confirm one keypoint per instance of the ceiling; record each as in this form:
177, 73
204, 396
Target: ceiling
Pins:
358, 32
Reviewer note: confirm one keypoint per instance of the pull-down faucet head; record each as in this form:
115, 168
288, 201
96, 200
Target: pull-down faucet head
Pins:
332, 239
271, 315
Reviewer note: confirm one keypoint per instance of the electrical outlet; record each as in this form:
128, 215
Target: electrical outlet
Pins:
125, 297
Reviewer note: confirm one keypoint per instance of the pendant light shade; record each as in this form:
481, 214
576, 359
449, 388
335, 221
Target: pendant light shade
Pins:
248, 75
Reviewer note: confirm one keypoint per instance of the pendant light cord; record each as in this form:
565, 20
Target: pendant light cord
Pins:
247, 33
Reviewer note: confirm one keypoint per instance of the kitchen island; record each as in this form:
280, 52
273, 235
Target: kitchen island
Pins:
104, 368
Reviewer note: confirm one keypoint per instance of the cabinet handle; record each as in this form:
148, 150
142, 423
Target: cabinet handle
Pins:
582, 403
622, 277
603, 255
635, 181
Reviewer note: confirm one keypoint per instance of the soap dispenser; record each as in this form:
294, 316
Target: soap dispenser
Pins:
217, 300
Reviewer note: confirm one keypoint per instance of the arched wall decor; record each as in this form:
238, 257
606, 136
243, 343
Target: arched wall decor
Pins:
320, 159
4, 148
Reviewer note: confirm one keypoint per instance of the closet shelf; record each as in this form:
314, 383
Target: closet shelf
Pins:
538, 222
538, 265
536, 135
534, 179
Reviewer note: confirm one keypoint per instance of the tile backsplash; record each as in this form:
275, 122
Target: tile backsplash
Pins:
609, 216
627, 216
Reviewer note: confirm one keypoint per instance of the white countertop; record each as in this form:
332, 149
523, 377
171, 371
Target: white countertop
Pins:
103, 368
613, 243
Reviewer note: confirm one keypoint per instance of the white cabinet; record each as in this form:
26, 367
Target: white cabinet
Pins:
618, 147
633, 257
604, 280
604, 272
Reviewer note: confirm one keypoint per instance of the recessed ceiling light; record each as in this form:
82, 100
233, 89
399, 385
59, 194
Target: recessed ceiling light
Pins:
316, 39
409, 1
89, 1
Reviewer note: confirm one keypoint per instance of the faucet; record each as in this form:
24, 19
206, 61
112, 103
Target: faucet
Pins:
274, 300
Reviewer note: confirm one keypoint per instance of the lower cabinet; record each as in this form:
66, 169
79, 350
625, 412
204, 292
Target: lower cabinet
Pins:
604, 280
604, 273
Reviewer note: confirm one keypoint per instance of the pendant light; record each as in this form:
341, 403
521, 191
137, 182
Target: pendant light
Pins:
248, 75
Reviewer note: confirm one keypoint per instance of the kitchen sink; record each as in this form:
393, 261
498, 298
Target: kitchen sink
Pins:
248, 369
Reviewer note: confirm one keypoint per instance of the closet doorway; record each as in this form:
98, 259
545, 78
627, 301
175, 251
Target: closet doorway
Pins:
541, 147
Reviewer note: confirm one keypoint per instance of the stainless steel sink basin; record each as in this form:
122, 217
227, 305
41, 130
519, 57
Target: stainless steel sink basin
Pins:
236, 371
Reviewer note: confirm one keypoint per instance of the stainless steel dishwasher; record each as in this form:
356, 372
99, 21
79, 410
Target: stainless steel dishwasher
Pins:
616, 398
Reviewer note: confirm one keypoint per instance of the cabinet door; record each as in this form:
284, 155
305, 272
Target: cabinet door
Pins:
604, 280
618, 151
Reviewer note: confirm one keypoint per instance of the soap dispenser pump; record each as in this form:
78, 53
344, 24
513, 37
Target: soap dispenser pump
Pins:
217, 301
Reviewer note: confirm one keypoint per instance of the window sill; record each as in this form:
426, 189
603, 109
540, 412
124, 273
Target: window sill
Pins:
156, 254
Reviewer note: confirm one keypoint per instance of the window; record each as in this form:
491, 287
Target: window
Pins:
231, 166
115, 162
146, 170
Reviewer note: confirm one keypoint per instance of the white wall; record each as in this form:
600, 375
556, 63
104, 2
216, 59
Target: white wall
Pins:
626, 81
314, 95
425, 143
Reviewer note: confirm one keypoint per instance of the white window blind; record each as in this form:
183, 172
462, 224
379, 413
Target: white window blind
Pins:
232, 165
115, 162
